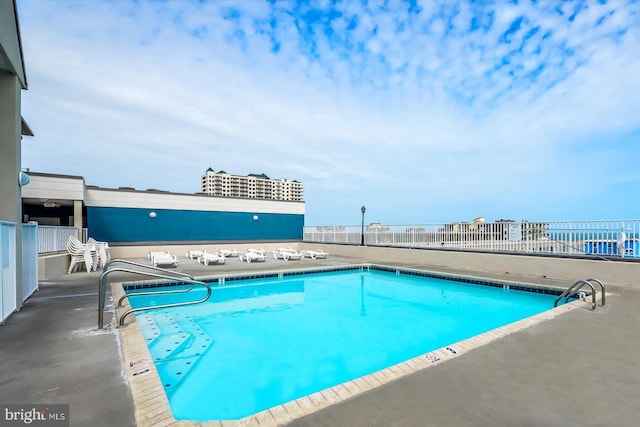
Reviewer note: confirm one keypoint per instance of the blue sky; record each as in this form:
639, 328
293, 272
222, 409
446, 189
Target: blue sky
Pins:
424, 112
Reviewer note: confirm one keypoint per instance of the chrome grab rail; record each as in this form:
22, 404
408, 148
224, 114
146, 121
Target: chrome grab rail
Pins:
175, 291
575, 288
150, 267
601, 288
102, 283
176, 304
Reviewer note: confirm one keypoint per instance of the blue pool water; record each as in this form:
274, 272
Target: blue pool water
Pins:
260, 343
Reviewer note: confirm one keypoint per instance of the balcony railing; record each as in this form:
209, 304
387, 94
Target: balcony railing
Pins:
601, 238
54, 239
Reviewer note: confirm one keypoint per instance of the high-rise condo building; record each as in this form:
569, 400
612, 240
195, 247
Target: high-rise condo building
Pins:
252, 186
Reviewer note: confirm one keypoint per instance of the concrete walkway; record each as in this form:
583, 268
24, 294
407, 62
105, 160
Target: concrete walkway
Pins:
579, 369
51, 352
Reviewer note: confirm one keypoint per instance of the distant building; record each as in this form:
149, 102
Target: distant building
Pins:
252, 186
534, 230
502, 229
125, 215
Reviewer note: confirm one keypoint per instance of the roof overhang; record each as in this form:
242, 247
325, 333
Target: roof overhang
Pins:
11, 56
26, 130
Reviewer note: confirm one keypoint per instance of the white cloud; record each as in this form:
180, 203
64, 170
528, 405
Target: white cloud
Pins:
359, 100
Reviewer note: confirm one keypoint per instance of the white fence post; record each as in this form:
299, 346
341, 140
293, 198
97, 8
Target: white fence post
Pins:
29, 259
8, 275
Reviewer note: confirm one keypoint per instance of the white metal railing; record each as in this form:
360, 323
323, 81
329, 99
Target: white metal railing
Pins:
8, 261
7, 269
54, 238
29, 259
600, 237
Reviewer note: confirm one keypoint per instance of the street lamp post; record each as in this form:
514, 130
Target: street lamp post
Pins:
363, 210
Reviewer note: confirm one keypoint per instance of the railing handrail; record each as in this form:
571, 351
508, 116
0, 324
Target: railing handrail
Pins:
176, 304
150, 267
561, 221
573, 289
581, 250
603, 239
102, 282
601, 288
174, 291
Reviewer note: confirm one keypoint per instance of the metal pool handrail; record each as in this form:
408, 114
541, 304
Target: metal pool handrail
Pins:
174, 291
102, 282
575, 288
176, 304
601, 288
150, 267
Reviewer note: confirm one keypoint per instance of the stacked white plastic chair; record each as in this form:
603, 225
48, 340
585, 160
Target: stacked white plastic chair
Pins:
102, 249
81, 254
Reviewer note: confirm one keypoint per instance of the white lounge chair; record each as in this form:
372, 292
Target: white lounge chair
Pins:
207, 259
195, 254
287, 254
163, 258
228, 253
153, 253
295, 255
319, 254
253, 255
242, 256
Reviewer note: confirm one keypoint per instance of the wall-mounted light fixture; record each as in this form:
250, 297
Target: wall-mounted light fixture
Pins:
23, 179
50, 204
152, 215
255, 217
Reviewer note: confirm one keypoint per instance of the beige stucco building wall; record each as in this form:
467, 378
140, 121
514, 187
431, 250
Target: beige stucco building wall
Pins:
12, 82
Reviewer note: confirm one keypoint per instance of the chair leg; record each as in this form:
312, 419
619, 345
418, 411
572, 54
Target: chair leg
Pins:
72, 264
88, 260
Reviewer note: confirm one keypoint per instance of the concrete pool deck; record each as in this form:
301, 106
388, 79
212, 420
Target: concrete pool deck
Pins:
579, 369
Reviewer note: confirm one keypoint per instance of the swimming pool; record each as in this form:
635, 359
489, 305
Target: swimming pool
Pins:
263, 342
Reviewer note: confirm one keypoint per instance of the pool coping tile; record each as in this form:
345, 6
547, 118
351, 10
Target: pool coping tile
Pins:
330, 395
306, 403
280, 414
151, 405
362, 384
294, 409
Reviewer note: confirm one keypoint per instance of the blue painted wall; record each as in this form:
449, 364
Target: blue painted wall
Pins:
134, 225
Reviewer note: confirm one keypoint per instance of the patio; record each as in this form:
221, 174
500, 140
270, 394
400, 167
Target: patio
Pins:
578, 369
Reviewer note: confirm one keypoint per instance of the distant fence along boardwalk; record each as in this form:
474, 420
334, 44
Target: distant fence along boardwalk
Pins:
603, 238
